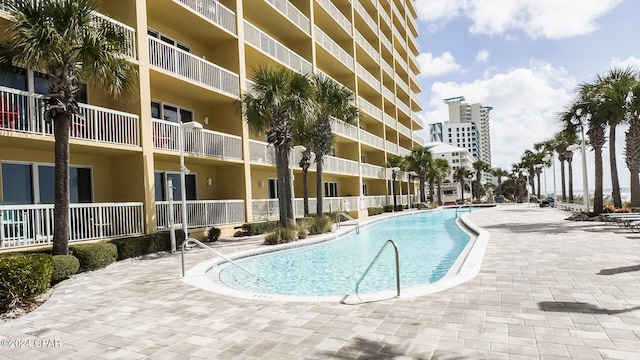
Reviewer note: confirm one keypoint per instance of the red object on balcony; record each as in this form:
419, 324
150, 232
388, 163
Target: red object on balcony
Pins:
8, 114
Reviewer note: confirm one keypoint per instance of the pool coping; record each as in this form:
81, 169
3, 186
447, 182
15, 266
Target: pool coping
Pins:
466, 267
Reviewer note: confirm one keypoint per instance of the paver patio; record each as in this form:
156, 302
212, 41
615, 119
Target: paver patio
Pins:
548, 289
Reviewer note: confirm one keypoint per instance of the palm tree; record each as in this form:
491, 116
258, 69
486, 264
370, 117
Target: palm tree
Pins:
302, 134
460, 175
441, 171
479, 166
400, 162
420, 161
609, 99
277, 97
332, 101
66, 41
632, 146
499, 173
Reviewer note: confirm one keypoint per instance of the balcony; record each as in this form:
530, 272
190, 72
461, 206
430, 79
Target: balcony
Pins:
367, 47
417, 139
391, 121
416, 119
201, 213
343, 129
387, 68
340, 166
213, 11
204, 142
260, 152
405, 152
292, 13
368, 138
187, 65
373, 25
369, 108
333, 48
24, 112
391, 147
388, 94
404, 130
368, 77
32, 225
274, 49
396, 33
373, 171
403, 107
335, 14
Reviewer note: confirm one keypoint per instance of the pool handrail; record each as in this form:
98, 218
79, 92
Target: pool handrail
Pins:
462, 206
184, 244
348, 217
395, 247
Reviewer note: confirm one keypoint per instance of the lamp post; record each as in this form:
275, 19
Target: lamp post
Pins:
411, 174
470, 177
585, 182
298, 148
553, 165
538, 168
394, 174
184, 127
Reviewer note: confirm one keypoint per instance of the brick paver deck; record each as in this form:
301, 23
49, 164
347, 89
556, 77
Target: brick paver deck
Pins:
548, 289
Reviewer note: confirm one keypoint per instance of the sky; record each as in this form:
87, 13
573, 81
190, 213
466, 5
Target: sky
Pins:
524, 58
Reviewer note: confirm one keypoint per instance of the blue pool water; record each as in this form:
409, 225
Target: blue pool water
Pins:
428, 244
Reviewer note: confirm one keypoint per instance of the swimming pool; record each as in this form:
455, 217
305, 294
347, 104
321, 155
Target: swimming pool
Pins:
429, 243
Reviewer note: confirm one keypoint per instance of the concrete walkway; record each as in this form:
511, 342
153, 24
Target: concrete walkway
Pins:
548, 289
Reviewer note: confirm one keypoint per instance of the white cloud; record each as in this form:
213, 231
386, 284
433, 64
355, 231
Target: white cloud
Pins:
631, 61
436, 66
482, 56
525, 101
551, 19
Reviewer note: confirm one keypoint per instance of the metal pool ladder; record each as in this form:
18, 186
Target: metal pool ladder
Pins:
184, 244
346, 216
395, 247
462, 206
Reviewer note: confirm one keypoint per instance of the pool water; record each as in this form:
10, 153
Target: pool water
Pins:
428, 244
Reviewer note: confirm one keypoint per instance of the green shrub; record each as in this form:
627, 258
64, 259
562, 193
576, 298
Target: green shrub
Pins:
23, 278
94, 256
63, 267
302, 228
214, 234
320, 225
388, 208
399, 208
280, 236
375, 211
145, 244
258, 228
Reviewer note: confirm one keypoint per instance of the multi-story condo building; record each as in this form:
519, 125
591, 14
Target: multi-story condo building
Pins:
468, 128
194, 59
457, 157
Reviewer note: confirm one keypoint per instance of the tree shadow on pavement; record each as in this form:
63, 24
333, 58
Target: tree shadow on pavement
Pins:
580, 307
619, 270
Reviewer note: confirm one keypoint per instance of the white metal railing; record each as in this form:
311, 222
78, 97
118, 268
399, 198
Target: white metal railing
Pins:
331, 46
391, 147
261, 152
342, 20
403, 107
275, 49
414, 43
371, 140
32, 225
399, 37
390, 120
403, 85
388, 94
365, 15
414, 61
214, 11
385, 16
267, 209
404, 130
417, 139
185, 64
386, 42
372, 171
127, 32
386, 67
292, 13
24, 112
369, 108
341, 166
342, 128
368, 48
203, 142
368, 77
416, 100
201, 213
404, 152
417, 119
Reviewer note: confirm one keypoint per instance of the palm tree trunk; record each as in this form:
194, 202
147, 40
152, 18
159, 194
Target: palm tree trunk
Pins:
597, 200
305, 194
635, 188
431, 188
319, 160
393, 192
562, 181
284, 194
632, 159
439, 194
570, 170
538, 175
423, 196
61, 213
615, 183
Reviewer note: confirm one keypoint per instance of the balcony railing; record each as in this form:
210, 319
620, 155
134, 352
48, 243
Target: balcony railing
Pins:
32, 225
368, 77
404, 130
342, 20
185, 64
203, 142
416, 100
369, 108
267, 209
405, 152
391, 147
292, 13
342, 128
331, 46
365, 15
214, 11
201, 213
368, 48
24, 112
385, 16
417, 139
373, 171
261, 152
388, 94
402, 84
340, 166
386, 42
403, 43
390, 120
273, 48
371, 140
417, 120
387, 68
403, 107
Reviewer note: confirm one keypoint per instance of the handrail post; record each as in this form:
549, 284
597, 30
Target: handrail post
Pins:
397, 257
197, 242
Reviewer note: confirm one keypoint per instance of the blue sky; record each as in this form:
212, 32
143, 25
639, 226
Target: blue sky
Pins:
524, 58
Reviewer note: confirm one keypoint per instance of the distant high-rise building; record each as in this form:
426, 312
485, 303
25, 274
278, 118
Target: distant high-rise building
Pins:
468, 128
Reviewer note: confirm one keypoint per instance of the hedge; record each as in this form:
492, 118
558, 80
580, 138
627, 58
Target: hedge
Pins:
146, 244
94, 256
63, 267
375, 211
258, 228
23, 278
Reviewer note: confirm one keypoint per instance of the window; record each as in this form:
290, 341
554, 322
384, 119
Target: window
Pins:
363, 159
273, 188
331, 189
365, 189
35, 184
161, 179
160, 110
168, 40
